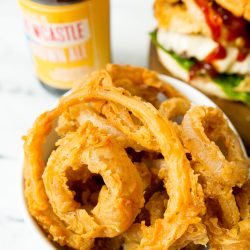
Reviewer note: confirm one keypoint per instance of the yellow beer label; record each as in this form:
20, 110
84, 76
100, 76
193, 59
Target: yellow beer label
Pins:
63, 41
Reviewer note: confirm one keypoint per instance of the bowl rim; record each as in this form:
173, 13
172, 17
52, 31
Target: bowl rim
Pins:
197, 98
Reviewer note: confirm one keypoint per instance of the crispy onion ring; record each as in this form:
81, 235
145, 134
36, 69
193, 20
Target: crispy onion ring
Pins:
243, 200
183, 208
202, 128
77, 115
174, 107
139, 82
132, 237
156, 206
138, 149
236, 238
99, 89
119, 200
195, 233
35, 194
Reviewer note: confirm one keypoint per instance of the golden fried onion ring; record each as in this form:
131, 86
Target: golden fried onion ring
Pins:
236, 238
139, 82
99, 87
202, 128
184, 208
119, 200
174, 107
99, 115
243, 200
156, 206
35, 194
77, 115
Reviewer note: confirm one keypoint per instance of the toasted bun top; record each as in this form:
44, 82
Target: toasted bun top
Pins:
239, 8
186, 17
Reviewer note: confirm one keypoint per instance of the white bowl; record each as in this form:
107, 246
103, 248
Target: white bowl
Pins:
195, 97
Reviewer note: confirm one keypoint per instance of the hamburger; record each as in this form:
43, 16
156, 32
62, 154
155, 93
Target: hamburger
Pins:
206, 43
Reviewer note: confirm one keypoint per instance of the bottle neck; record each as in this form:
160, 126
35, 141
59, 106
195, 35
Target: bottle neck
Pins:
57, 2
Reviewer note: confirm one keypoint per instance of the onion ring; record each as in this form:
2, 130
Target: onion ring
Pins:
119, 201
183, 208
154, 170
144, 174
138, 81
141, 82
243, 200
236, 238
91, 93
174, 107
77, 115
156, 206
37, 201
201, 127
231, 166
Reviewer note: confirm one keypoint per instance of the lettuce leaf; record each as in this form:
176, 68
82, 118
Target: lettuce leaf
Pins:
185, 63
226, 82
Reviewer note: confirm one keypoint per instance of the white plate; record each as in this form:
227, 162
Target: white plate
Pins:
195, 97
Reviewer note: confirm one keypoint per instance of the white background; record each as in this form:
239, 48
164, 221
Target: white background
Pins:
22, 99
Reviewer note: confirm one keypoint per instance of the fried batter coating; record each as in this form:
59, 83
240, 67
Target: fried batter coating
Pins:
221, 166
219, 159
119, 200
174, 107
123, 175
144, 174
77, 115
35, 194
156, 206
243, 200
224, 239
132, 237
139, 82
183, 208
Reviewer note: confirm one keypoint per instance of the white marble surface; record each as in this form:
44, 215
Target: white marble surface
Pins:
22, 99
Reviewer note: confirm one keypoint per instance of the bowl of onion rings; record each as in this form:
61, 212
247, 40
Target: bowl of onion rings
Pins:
130, 159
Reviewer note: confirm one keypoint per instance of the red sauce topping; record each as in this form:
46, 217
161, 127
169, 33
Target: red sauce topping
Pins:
223, 23
236, 27
217, 53
214, 20
201, 69
242, 55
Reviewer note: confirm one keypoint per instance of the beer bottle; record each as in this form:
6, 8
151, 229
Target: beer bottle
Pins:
67, 38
